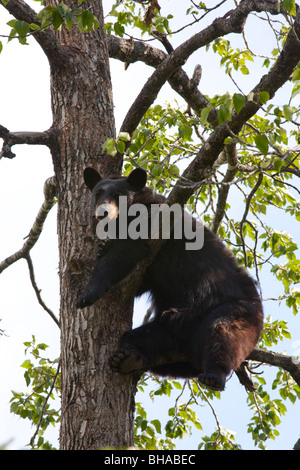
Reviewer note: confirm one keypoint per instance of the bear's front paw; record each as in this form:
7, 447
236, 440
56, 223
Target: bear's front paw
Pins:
103, 247
126, 362
86, 300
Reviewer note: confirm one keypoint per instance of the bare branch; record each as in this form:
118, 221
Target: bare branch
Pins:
244, 218
231, 154
288, 363
16, 138
244, 378
130, 51
49, 192
297, 445
164, 40
37, 290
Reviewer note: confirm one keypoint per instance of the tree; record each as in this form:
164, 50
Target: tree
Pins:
238, 140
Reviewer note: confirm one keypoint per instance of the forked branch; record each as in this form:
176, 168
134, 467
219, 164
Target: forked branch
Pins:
233, 22
49, 193
289, 363
24, 252
16, 138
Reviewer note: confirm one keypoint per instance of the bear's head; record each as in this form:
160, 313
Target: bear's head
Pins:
106, 191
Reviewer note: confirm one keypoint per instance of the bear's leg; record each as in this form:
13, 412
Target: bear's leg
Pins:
119, 259
228, 334
137, 349
145, 348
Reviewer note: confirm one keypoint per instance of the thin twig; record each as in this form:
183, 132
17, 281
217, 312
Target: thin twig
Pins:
37, 290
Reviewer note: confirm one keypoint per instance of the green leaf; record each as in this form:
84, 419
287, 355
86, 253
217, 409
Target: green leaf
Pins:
22, 28
57, 19
69, 19
262, 143
185, 132
174, 169
288, 112
110, 147
119, 29
157, 424
238, 102
224, 112
157, 170
204, 115
264, 97
34, 26
42, 346
244, 70
124, 136
86, 21
296, 74
290, 6
11, 23
121, 146
296, 89
27, 364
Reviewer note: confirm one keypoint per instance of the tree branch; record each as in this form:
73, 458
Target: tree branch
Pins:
233, 23
46, 38
247, 207
297, 445
130, 51
24, 252
16, 138
49, 193
37, 290
288, 363
232, 169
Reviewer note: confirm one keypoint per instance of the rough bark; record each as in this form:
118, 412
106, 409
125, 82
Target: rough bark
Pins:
92, 396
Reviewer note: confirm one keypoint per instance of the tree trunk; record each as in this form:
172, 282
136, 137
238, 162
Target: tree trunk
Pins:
97, 404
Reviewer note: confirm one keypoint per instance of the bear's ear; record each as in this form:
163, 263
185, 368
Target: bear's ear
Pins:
91, 178
137, 178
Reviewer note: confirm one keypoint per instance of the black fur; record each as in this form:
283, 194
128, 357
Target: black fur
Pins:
207, 312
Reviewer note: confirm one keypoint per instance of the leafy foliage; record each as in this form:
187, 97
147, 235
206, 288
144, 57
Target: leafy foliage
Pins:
42, 377
58, 16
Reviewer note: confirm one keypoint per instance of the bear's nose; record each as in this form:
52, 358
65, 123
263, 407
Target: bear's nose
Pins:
106, 210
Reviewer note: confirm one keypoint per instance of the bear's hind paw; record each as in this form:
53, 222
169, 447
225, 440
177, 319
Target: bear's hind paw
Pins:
126, 362
212, 381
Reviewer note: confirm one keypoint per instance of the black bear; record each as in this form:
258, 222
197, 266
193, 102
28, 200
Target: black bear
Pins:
207, 311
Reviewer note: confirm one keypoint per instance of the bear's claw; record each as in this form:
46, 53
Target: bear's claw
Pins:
126, 362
